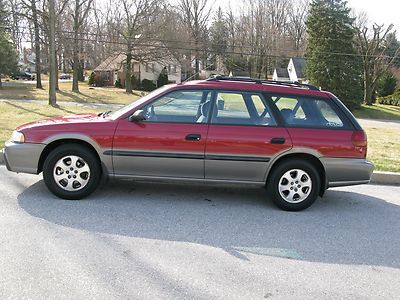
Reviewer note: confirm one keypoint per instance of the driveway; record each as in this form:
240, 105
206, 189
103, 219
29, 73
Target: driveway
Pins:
158, 241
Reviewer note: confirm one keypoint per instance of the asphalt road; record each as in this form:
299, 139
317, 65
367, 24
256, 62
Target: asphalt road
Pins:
154, 241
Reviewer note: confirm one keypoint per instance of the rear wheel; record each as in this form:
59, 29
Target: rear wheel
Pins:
71, 172
294, 185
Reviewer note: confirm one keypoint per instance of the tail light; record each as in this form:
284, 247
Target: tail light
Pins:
359, 140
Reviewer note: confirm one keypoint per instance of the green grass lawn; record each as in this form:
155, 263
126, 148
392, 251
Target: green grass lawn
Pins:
378, 112
107, 95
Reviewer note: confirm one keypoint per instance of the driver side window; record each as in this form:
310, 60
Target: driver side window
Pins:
179, 107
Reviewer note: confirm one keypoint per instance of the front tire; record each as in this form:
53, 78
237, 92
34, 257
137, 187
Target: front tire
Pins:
71, 172
294, 185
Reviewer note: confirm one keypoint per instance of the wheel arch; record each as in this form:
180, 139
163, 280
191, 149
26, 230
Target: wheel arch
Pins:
55, 142
307, 156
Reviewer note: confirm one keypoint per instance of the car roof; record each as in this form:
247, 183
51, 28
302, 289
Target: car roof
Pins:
252, 85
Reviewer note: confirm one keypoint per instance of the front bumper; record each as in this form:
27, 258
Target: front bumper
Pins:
22, 158
347, 171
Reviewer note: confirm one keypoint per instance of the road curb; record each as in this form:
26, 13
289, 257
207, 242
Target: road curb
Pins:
389, 178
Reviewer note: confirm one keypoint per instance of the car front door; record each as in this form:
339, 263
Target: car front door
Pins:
170, 142
243, 137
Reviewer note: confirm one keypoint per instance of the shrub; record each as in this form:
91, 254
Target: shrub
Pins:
162, 78
148, 85
92, 79
386, 85
135, 82
118, 83
393, 99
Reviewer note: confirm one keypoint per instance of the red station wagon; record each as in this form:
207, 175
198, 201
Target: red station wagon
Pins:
292, 138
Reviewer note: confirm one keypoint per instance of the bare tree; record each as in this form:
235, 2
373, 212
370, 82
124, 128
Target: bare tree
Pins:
195, 16
33, 16
80, 13
296, 26
371, 46
134, 21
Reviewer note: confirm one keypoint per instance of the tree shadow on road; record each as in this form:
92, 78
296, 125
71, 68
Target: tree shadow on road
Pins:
341, 228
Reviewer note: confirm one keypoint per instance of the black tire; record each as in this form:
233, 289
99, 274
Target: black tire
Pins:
88, 158
275, 180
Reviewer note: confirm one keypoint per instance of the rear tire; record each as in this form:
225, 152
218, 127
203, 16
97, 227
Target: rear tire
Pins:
294, 185
71, 172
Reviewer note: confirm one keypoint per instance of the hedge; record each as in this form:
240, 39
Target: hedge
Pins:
391, 99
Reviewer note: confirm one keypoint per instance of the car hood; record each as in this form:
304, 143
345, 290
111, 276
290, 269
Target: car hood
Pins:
71, 119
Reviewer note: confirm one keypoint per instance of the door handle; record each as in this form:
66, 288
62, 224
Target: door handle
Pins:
193, 137
278, 140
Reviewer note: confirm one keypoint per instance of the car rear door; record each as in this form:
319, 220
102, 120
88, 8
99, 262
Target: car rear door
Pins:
243, 137
170, 142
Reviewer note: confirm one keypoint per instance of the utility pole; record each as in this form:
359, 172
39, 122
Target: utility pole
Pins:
53, 67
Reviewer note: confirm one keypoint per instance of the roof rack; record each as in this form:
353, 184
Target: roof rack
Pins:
261, 81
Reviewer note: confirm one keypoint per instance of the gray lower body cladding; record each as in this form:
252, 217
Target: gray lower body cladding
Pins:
23, 157
347, 171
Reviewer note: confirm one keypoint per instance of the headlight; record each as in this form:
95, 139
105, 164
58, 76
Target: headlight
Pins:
17, 137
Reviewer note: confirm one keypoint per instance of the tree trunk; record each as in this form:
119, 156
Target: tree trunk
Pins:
52, 52
75, 67
37, 46
57, 88
128, 82
1, 83
368, 91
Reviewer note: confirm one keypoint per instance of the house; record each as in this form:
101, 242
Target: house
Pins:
294, 71
281, 74
114, 68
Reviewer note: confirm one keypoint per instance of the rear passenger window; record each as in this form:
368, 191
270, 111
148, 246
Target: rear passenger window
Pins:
308, 112
241, 109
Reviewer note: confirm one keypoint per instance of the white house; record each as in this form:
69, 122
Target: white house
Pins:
294, 71
113, 68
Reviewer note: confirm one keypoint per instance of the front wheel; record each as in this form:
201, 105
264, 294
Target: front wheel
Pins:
71, 172
294, 185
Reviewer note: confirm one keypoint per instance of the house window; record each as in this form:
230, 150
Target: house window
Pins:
147, 68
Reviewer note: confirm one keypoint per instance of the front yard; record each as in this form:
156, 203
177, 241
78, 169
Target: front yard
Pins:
20, 90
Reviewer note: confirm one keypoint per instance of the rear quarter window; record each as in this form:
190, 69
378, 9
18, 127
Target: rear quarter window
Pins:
309, 112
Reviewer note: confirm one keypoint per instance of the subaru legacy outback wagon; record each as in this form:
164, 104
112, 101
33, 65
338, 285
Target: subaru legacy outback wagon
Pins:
294, 139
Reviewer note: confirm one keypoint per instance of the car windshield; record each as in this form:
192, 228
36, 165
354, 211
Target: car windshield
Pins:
120, 112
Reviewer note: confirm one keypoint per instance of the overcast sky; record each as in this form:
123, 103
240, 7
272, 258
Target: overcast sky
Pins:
381, 11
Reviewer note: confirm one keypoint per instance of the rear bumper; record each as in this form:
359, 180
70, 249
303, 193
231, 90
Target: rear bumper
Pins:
23, 158
347, 171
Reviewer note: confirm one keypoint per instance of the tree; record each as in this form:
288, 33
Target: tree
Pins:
297, 23
332, 60
374, 53
8, 53
134, 21
195, 15
386, 84
33, 16
80, 12
162, 78
218, 36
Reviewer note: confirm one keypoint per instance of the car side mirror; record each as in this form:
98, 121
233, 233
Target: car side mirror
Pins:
138, 116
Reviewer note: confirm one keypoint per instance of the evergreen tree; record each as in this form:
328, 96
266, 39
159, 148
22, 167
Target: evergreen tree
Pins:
218, 36
332, 61
162, 78
387, 84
